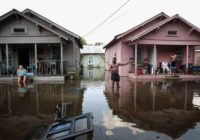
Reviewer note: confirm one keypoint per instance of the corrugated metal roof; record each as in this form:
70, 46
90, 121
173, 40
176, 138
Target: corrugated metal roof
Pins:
92, 49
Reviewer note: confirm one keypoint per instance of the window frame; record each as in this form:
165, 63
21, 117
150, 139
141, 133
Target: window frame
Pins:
172, 35
19, 33
92, 57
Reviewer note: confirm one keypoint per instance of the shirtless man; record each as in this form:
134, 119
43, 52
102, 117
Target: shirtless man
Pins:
114, 68
173, 62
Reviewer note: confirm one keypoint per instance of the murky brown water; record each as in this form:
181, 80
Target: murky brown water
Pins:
138, 110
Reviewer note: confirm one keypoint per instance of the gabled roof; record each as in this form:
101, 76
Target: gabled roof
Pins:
162, 14
62, 32
119, 36
50, 22
92, 49
15, 12
156, 26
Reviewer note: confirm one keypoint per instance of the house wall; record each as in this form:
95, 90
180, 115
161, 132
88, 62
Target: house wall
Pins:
43, 22
77, 54
113, 51
71, 55
33, 33
98, 60
144, 27
126, 54
184, 37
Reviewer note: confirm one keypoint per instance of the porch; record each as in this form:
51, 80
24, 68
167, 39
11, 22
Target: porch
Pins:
40, 59
148, 58
160, 77
40, 79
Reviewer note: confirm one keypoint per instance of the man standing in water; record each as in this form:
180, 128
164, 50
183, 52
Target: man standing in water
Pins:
173, 63
114, 68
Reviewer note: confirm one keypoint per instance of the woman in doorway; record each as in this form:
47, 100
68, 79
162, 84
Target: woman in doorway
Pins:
21, 74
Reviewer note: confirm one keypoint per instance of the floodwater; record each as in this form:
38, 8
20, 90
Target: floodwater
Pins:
164, 110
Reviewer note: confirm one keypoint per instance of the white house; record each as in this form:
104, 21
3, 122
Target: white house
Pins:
93, 56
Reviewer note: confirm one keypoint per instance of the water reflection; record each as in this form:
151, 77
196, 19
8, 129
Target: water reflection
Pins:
93, 73
137, 110
163, 106
22, 117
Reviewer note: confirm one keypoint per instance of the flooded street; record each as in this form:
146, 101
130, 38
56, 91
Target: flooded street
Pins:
164, 110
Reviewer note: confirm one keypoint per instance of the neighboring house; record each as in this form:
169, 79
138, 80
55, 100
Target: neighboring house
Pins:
93, 56
153, 41
29, 39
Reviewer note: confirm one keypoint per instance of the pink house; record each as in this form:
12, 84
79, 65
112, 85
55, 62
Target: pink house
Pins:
153, 41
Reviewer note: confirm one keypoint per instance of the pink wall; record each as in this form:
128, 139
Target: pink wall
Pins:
127, 52
146, 26
110, 53
160, 35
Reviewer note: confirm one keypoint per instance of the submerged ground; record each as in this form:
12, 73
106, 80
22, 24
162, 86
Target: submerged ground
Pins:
137, 110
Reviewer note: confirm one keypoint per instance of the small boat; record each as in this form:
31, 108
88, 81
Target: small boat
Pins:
65, 128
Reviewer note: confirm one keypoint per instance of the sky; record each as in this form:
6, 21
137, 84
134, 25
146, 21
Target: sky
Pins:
81, 16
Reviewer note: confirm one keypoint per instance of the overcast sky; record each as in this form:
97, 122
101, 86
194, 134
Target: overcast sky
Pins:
81, 16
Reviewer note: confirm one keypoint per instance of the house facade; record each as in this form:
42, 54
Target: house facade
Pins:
37, 43
93, 56
152, 42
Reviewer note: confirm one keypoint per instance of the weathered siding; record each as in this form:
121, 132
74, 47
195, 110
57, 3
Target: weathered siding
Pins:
43, 22
33, 33
72, 56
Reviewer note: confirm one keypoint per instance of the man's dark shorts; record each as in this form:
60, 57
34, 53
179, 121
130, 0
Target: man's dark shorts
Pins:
115, 77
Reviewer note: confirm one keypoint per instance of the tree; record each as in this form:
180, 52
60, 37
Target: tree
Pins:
83, 41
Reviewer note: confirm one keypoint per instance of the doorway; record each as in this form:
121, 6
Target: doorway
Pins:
23, 57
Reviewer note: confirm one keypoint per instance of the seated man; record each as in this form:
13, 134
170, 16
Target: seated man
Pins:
165, 67
21, 74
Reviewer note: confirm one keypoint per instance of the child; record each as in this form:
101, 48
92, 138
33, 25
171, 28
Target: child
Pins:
21, 74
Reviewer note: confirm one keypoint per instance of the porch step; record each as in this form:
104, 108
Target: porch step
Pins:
172, 77
49, 78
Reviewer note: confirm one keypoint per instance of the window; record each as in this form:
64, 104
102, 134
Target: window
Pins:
19, 30
172, 33
179, 53
90, 60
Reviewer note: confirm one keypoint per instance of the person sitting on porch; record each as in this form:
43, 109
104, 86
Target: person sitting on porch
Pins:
114, 68
21, 74
173, 62
165, 67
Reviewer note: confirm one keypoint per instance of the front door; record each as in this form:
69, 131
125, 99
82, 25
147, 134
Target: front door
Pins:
23, 57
